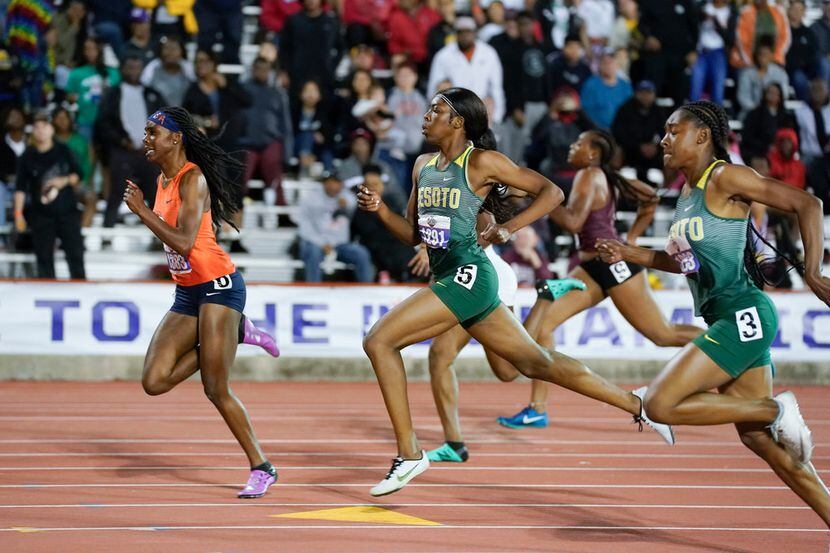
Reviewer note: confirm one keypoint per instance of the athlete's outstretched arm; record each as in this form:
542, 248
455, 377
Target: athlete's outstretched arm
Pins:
572, 217
745, 183
487, 167
194, 192
404, 229
613, 251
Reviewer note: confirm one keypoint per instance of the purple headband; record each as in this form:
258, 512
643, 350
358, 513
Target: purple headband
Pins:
162, 119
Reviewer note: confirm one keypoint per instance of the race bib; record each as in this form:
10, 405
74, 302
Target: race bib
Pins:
466, 276
435, 231
681, 251
176, 262
223, 283
621, 271
749, 324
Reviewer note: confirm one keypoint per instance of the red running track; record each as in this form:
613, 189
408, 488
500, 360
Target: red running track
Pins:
88, 467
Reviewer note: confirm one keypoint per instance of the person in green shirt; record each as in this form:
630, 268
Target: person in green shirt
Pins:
449, 188
86, 85
711, 242
65, 133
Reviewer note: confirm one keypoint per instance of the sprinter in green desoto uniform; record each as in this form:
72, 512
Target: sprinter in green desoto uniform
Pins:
446, 197
708, 242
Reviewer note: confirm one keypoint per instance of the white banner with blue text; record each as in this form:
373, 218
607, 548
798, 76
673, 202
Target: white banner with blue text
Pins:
330, 321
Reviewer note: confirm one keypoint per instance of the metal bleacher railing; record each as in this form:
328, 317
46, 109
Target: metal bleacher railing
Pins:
130, 251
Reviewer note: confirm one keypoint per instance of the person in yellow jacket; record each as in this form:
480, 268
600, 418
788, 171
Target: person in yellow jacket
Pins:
180, 8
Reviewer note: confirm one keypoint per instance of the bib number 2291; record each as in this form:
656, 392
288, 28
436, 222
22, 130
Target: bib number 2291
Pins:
466, 276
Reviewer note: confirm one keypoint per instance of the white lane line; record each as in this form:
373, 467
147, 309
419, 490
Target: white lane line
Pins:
369, 484
398, 505
583, 455
400, 527
511, 442
457, 468
280, 418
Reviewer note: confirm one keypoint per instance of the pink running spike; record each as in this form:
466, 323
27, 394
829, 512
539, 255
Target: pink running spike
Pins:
258, 484
256, 337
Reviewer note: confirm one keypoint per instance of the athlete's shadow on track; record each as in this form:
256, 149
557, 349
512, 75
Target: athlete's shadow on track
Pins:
619, 538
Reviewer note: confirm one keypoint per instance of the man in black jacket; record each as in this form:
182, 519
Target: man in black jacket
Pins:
670, 28
311, 46
525, 83
269, 138
120, 126
568, 69
47, 174
637, 128
803, 57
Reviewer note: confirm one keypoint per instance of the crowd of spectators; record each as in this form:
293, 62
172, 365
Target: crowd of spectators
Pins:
337, 89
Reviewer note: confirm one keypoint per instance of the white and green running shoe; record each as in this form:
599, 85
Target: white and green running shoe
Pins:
402, 471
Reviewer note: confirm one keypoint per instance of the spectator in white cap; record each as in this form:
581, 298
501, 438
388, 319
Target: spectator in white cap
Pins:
472, 64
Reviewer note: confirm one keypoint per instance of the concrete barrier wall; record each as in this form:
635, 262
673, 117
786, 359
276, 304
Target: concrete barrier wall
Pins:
91, 368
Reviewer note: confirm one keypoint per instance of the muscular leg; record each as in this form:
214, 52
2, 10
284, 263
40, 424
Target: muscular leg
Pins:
422, 315
635, 301
502, 333
545, 317
680, 394
218, 327
442, 352
172, 356
757, 384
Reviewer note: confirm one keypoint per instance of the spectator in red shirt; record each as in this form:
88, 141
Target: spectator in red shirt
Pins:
783, 162
409, 26
275, 12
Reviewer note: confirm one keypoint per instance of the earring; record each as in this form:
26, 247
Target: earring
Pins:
174, 142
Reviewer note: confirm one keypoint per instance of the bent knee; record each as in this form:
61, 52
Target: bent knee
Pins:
216, 391
440, 358
657, 408
375, 344
370, 344
154, 387
505, 376
538, 366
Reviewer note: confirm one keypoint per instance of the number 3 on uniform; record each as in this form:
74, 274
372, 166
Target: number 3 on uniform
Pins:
466, 276
749, 324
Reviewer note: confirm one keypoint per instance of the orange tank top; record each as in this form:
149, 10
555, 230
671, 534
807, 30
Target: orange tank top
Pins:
207, 260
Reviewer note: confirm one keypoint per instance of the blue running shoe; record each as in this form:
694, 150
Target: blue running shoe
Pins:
526, 418
550, 289
445, 453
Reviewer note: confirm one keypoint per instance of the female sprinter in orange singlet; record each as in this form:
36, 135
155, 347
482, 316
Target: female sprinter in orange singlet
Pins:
205, 323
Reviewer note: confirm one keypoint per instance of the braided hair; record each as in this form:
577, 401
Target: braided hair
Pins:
712, 116
607, 146
221, 170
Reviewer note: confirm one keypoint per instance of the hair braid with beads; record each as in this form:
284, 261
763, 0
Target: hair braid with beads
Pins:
713, 116
222, 171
